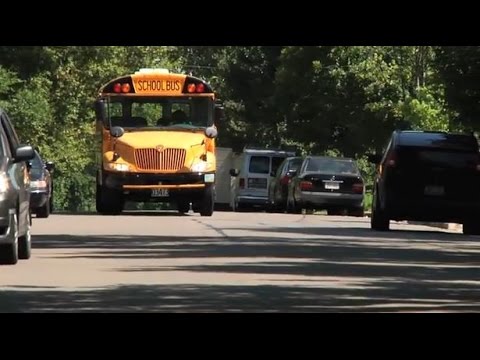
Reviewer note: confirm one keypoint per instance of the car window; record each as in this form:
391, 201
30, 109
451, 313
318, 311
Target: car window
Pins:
4, 147
332, 166
276, 162
456, 142
259, 165
281, 168
11, 134
295, 164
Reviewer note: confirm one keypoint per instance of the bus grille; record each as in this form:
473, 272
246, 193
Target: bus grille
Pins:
168, 159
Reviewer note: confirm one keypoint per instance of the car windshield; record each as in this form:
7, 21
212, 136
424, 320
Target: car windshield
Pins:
331, 166
37, 167
454, 142
36, 162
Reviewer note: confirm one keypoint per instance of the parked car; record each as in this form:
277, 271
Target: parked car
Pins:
278, 187
41, 186
327, 183
251, 175
427, 176
15, 219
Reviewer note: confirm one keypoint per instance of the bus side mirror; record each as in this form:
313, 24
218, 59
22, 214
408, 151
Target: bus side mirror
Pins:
101, 110
211, 132
234, 172
117, 131
219, 114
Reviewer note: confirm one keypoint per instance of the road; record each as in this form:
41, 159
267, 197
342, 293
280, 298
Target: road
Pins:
234, 262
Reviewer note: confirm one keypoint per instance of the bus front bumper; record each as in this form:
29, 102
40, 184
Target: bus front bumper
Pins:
143, 182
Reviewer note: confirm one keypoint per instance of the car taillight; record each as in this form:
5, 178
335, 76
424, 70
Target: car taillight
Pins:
306, 185
476, 164
357, 188
242, 183
285, 180
391, 159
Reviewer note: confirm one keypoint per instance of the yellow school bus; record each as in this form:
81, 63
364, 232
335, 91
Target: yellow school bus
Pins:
156, 139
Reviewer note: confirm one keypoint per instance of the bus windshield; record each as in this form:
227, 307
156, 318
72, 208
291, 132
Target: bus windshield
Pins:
161, 112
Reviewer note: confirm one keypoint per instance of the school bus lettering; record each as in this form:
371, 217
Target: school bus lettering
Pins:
157, 86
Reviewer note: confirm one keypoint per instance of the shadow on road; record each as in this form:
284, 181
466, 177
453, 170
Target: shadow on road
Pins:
395, 271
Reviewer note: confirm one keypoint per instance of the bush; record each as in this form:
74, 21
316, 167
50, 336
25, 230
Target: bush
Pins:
368, 201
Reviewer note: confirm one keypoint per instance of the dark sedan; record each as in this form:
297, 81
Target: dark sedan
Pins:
327, 183
41, 186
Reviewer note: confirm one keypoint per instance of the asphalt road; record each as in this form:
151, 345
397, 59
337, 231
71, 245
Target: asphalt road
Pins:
235, 262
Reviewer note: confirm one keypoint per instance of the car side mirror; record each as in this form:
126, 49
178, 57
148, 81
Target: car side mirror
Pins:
24, 153
49, 165
292, 173
234, 172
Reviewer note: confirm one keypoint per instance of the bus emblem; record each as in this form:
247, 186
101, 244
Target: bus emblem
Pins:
159, 148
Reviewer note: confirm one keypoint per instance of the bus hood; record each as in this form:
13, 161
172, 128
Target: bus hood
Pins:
167, 139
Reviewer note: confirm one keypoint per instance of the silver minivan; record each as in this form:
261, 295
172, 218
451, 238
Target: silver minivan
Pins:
251, 177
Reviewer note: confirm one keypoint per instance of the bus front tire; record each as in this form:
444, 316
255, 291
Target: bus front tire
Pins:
206, 205
109, 201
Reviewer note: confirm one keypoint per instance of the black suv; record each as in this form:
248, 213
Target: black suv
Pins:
428, 176
15, 219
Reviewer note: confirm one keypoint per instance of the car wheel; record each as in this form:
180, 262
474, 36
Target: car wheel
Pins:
9, 252
44, 211
183, 207
379, 220
25, 242
296, 207
471, 228
51, 203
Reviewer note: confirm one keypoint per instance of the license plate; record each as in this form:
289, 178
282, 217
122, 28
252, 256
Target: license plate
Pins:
332, 186
434, 190
160, 193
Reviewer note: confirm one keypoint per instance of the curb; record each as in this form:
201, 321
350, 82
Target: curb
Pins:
447, 226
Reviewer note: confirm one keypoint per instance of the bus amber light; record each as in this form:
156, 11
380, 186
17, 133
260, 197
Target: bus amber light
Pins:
191, 88
126, 88
117, 87
200, 88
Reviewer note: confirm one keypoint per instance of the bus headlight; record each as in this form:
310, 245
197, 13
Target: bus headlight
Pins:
118, 167
199, 166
